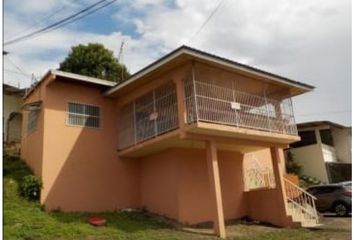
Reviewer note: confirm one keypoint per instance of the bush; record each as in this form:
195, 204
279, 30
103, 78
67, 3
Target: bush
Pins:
30, 187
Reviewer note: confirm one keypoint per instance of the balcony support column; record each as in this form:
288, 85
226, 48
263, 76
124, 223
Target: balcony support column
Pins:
215, 189
181, 107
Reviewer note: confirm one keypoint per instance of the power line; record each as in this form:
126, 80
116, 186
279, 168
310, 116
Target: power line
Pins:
324, 113
46, 17
17, 72
206, 21
16, 66
82, 16
62, 22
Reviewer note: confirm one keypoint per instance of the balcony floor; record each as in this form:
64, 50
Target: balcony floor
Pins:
227, 137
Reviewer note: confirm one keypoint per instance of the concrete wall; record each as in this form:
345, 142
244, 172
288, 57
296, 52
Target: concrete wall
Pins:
179, 177
81, 169
11, 104
32, 143
343, 143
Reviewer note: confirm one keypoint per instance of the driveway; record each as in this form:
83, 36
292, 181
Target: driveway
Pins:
339, 227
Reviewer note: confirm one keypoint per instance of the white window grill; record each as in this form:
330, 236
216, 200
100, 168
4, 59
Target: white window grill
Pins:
148, 116
83, 115
222, 103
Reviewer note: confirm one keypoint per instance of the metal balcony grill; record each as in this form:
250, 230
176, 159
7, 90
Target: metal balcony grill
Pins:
222, 103
148, 116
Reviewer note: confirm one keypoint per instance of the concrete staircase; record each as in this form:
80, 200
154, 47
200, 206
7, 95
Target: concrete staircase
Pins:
301, 205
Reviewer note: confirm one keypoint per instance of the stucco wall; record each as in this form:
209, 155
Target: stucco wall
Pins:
32, 143
343, 143
81, 170
311, 159
11, 104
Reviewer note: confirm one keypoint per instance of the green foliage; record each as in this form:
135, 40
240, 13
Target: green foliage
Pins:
291, 165
30, 187
307, 181
94, 60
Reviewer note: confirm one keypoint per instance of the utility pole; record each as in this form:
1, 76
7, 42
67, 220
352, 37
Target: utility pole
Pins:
120, 58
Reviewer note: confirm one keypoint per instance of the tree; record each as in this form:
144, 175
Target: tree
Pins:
94, 60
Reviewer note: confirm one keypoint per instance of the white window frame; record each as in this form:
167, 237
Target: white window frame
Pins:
68, 113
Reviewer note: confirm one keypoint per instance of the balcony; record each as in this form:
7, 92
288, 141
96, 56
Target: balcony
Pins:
211, 107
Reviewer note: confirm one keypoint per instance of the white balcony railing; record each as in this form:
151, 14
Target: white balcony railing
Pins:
156, 113
210, 101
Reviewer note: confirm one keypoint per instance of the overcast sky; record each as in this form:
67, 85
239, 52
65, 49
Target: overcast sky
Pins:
305, 40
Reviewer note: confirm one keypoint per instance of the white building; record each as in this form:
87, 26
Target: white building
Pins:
324, 151
12, 117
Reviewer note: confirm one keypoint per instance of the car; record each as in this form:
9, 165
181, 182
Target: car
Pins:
334, 198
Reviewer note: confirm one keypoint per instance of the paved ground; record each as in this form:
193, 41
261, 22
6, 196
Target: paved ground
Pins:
340, 227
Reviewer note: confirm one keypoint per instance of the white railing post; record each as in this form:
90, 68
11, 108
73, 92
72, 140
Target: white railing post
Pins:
267, 107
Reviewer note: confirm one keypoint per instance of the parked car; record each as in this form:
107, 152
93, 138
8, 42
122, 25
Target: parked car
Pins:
335, 198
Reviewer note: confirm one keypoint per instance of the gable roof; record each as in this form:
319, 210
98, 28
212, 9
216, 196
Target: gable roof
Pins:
72, 76
198, 54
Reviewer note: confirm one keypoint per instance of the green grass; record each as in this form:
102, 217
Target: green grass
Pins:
26, 220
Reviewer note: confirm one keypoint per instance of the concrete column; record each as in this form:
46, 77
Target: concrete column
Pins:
182, 112
215, 189
278, 176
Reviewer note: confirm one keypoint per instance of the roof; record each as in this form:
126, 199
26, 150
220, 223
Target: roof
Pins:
320, 123
72, 76
185, 50
11, 90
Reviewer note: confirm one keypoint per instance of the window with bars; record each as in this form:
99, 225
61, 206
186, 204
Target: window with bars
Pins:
83, 115
32, 121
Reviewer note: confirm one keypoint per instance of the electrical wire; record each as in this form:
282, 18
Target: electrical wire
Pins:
324, 113
90, 9
45, 18
206, 21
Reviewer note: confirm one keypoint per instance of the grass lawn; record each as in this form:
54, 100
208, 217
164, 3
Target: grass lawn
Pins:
26, 220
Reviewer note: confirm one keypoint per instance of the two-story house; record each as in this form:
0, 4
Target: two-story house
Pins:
192, 136
325, 151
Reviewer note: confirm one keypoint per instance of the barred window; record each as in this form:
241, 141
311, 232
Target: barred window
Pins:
83, 115
32, 121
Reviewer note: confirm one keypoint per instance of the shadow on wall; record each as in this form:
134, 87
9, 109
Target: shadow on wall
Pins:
81, 170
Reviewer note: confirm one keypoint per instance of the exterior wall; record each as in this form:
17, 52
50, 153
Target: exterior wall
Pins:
343, 143
11, 104
79, 166
175, 183
311, 159
32, 143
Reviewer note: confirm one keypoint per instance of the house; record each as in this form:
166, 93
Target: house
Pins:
12, 116
193, 136
324, 151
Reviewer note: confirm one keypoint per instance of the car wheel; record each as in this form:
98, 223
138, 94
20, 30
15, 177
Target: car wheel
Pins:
341, 209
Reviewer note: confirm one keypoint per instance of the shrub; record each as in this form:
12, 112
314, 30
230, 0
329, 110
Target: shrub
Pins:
30, 187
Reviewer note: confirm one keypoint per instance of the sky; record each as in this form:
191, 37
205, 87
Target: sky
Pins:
305, 40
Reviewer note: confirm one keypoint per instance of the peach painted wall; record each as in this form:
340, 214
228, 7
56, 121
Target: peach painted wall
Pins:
81, 170
32, 143
179, 178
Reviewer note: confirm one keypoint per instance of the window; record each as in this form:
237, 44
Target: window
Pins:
32, 121
326, 137
307, 138
83, 115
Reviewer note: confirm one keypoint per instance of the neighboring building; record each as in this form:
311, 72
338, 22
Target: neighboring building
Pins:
324, 151
12, 116
193, 137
